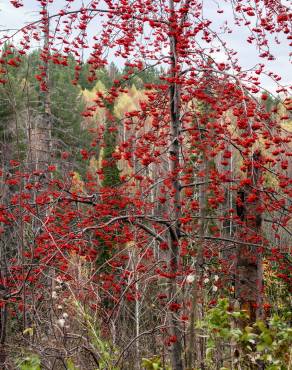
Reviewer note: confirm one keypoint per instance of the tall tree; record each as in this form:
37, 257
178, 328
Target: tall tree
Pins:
163, 247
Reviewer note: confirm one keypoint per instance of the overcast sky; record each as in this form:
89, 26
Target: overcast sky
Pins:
15, 18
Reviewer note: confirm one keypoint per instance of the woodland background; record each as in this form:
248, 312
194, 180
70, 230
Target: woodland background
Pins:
98, 268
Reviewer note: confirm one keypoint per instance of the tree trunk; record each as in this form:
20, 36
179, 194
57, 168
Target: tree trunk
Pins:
249, 279
3, 328
174, 165
40, 135
195, 352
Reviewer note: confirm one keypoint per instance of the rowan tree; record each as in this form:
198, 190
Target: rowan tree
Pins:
189, 195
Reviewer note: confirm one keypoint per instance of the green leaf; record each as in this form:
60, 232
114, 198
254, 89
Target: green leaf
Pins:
261, 325
267, 338
261, 347
31, 362
28, 331
70, 364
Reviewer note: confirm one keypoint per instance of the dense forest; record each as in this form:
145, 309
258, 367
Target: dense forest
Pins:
145, 198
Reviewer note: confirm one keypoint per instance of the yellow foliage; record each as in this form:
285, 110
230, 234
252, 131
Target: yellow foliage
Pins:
100, 157
77, 183
88, 95
133, 91
93, 164
99, 87
124, 104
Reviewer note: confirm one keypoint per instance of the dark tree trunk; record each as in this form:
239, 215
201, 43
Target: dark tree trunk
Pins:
248, 279
175, 232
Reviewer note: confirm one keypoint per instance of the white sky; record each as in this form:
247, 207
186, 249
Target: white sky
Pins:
15, 18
